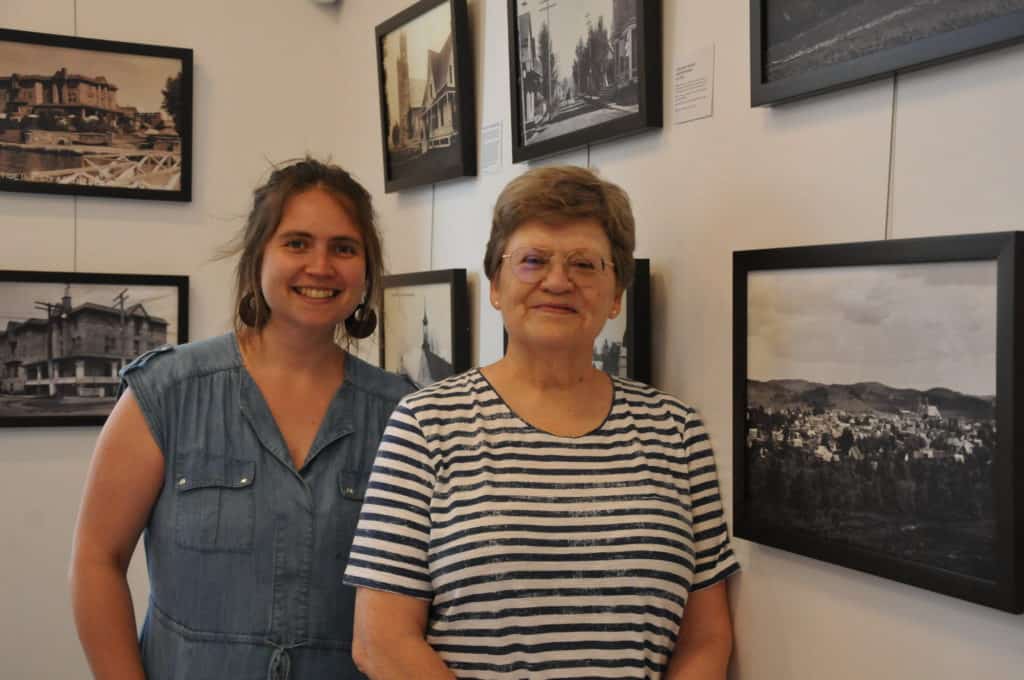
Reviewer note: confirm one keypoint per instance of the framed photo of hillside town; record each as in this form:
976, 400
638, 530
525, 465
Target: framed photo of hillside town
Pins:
800, 48
425, 331
95, 117
427, 105
582, 72
64, 336
876, 408
624, 346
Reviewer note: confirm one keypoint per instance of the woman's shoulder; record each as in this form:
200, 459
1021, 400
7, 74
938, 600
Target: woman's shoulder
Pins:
646, 398
462, 388
174, 363
376, 381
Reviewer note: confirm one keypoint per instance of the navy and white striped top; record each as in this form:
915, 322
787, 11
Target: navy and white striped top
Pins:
543, 556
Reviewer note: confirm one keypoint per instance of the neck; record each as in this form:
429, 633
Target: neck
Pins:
291, 350
561, 369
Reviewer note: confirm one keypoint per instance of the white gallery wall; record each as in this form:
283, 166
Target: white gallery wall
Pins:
931, 153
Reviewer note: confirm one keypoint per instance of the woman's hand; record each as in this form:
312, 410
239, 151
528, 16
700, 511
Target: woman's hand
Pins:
388, 638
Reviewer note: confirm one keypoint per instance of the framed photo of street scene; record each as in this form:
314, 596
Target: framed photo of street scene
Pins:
582, 72
800, 48
64, 336
95, 117
876, 409
425, 333
427, 105
624, 346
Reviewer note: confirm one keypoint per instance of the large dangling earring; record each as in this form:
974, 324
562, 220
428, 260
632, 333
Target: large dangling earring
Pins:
252, 312
362, 323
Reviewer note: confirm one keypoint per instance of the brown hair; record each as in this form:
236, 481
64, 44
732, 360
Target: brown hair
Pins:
287, 180
555, 195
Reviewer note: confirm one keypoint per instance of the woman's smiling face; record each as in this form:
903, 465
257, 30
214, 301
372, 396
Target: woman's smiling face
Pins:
314, 265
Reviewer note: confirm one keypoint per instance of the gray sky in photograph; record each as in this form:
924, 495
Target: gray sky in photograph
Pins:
17, 300
427, 32
568, 24
403, 319
139, 79
917, 326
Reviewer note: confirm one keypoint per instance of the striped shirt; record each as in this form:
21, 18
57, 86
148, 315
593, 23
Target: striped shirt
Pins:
543, 556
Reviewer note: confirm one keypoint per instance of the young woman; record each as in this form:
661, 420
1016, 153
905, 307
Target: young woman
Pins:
244, 458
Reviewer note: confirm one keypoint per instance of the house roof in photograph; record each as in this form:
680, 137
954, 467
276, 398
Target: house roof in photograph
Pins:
98, 80
134, 310
437, 63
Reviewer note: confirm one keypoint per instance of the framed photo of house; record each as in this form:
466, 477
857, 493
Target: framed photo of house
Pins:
624, 346
582, 72
876, 409
427, 105
800, 48
95, 117
64, 336
425, 331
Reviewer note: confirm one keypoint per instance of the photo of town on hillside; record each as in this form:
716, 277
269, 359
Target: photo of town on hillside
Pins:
422, 99
62, 344
870, 412
91, 118
804, 35
579, 65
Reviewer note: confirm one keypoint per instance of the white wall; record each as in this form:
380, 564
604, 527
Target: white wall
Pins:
274, 79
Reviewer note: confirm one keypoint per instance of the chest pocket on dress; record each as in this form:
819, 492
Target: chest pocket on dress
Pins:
352, 487
214, 502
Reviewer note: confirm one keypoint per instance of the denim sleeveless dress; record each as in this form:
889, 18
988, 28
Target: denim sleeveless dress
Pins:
245, 553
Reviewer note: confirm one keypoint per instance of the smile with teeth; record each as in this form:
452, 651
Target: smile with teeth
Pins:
318, 293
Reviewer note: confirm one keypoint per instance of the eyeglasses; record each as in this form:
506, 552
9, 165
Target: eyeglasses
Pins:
583, 267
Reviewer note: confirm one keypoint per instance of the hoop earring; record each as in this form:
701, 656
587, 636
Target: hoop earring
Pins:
362, 323
252, 312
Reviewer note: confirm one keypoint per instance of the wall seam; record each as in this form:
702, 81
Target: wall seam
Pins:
892, 160
433, 204
74, 199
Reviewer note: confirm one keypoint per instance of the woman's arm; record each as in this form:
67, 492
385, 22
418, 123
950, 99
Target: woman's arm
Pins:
124, 480
388, 638
705, 637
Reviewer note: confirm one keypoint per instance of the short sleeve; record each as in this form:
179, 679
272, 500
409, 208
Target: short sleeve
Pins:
392, 538
142, 376
714, 560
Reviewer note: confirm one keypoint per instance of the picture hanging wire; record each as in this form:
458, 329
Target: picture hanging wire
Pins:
892, 160
74, 199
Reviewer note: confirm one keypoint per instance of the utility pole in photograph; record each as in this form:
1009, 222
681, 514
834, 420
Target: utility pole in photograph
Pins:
119, 301
52, 312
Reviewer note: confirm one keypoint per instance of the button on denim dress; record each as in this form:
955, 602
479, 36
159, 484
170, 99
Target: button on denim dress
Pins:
245, 553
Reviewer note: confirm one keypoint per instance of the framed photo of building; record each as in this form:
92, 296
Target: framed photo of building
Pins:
624, 346
800, 48
427, 105
582, 72
876, 409
95, 117
425, 331
64, 336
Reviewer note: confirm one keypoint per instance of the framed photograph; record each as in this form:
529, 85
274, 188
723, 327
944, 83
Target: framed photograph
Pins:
425, 325
876, 408
64, 336
800, 48
624, 346
427, 105
582, 72
95, 117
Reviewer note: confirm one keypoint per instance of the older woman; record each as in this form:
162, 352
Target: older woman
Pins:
538, 518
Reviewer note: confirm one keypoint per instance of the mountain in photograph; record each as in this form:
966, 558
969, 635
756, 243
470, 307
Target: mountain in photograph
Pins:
866, 397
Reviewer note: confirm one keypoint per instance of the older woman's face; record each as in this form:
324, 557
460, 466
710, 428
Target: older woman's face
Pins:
563, 304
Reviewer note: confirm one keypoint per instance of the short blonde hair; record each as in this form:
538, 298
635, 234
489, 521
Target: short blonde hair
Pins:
556, 194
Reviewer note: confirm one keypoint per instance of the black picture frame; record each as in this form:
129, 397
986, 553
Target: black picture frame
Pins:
634, 89
438, 142
636, 332
928, 489
71, 129
434, 351
930, 36
82, 319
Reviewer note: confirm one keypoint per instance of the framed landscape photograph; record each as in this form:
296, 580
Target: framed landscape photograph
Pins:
582, 72
624, 346
427, 105
64, 336
425, 331
876, 408
800, 48
95, 117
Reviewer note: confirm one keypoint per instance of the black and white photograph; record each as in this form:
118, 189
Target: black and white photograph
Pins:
870, 410
623, 348
427, 100
801, 47
582, 72
425, 325
65, 336
91, 117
